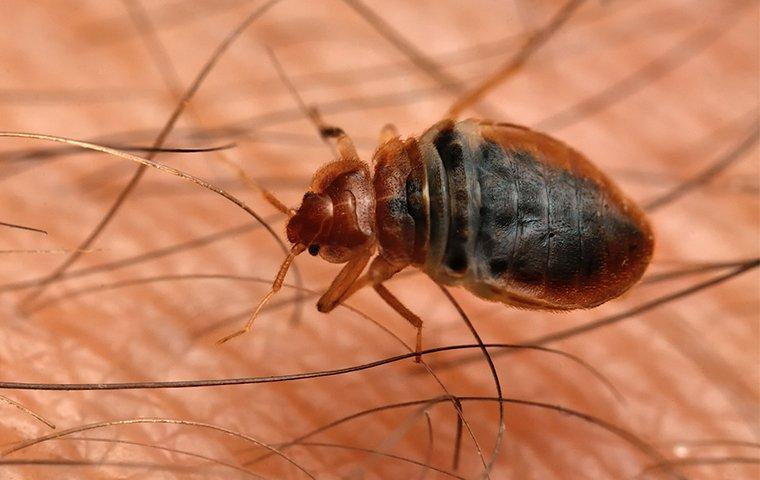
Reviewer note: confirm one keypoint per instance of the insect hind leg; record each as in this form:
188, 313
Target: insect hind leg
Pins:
408, 315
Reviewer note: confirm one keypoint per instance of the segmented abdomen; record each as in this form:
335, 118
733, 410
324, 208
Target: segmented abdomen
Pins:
518, 217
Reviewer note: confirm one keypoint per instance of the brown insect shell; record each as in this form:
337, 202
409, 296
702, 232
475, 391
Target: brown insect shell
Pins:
624, 265
337, 213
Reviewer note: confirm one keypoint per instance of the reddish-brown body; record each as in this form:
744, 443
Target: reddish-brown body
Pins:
511, 214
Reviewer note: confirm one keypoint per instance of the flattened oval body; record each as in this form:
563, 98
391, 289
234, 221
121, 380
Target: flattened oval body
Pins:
514, 216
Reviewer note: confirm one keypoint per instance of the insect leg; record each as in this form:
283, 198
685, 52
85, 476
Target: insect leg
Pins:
379, 271
343, 143
410, 317
388, 132
343, 282
254, 185
344, 146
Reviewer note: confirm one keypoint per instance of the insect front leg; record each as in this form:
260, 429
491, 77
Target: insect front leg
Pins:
379, 271
343, 282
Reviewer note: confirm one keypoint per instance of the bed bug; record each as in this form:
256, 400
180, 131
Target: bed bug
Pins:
511, 214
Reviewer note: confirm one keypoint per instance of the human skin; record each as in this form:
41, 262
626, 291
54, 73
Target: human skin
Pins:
687, 370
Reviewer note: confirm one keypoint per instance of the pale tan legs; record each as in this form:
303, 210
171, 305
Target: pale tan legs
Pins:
379, 271
349, 279
388, 132
410, 317
250, 182
344, 146
343, 282
351, 271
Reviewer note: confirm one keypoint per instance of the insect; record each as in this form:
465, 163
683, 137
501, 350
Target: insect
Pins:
513, 215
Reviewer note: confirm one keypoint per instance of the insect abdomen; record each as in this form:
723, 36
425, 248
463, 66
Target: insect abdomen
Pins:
518, 217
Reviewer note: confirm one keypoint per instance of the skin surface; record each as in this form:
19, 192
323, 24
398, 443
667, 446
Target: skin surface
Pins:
687, 371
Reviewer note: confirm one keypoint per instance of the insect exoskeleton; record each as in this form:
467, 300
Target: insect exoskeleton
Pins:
511, 214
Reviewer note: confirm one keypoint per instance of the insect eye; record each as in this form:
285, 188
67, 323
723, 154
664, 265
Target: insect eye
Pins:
314, 249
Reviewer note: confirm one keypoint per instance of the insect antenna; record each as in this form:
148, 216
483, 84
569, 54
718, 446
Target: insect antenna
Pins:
169, 73
164, 63
276, 286
295, 250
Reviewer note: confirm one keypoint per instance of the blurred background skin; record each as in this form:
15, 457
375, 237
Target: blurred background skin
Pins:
688, 370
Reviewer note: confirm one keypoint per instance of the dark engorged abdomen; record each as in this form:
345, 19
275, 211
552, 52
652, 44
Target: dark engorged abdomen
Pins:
531, 231
540, 226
